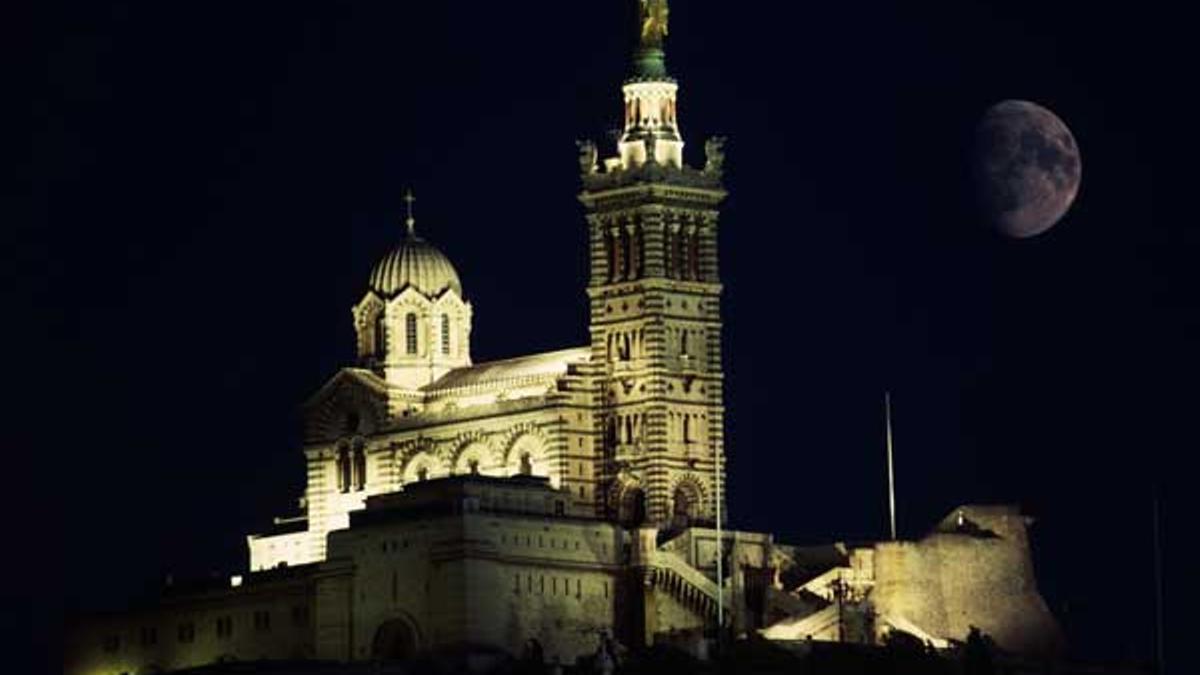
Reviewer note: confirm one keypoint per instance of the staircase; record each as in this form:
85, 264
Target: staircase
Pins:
689, 586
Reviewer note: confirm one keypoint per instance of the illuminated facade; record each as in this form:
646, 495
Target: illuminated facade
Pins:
559, 495
629, 426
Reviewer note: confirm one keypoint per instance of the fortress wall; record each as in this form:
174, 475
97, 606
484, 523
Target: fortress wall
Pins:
908, 584
956, 578
182, 631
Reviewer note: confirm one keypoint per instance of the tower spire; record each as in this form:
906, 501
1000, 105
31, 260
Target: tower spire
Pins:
651, 134
410, 222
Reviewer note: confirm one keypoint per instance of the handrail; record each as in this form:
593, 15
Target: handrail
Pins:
666, 564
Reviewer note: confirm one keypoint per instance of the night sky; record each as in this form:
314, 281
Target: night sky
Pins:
211, 183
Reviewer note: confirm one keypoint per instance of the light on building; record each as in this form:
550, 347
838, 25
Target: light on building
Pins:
235, 581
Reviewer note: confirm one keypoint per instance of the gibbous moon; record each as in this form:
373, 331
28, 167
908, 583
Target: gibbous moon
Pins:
1026, 168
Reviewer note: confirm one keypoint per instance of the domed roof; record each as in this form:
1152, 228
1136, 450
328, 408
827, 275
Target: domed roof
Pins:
417, 263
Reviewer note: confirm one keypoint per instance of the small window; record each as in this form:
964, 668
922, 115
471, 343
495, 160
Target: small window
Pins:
380, 336
149, 636
300, 615
187, 632
343, 469
112, 644
410, 333
224, 626
359, 468
262, 620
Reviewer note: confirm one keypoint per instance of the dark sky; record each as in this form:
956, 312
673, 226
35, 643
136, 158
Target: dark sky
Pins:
211, 183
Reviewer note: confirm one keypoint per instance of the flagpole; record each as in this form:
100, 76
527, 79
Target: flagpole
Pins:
1159, 655
887, 413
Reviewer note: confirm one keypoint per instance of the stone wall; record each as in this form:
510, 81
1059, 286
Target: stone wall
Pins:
973, 571
268, 617
471, 562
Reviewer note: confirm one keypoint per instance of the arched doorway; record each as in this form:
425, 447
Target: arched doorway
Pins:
632, 507
395, 640
685, 505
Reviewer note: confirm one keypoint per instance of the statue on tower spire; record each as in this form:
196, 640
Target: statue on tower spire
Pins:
654, 22
649, 61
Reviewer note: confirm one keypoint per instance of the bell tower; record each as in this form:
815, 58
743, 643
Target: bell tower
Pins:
654, 294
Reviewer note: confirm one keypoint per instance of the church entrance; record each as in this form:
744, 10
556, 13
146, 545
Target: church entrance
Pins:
685, 506
394, 641
632, 510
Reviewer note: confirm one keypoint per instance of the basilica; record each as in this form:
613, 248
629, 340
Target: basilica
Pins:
559, 496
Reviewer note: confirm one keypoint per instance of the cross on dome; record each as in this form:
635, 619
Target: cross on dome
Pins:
410, 221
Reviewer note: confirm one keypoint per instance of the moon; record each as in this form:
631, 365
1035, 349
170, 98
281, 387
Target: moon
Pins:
1026, 168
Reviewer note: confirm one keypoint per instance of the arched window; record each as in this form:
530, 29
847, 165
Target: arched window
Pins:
668, 247
694, 255
637, 253
380, 336
526, 464
626, 254
410, 333
473, 466
343, 469
610, 254
683, 342
687, 428
446, 334
677, 244
360, 468
423, 473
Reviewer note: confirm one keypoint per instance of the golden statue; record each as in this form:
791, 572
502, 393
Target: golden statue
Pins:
654, 22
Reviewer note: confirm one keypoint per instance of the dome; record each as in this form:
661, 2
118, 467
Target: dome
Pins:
417, 263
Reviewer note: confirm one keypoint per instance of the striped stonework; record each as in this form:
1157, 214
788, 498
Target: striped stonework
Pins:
655, 333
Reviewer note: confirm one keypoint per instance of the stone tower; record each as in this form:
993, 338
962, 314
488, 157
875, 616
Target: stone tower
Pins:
654, 293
